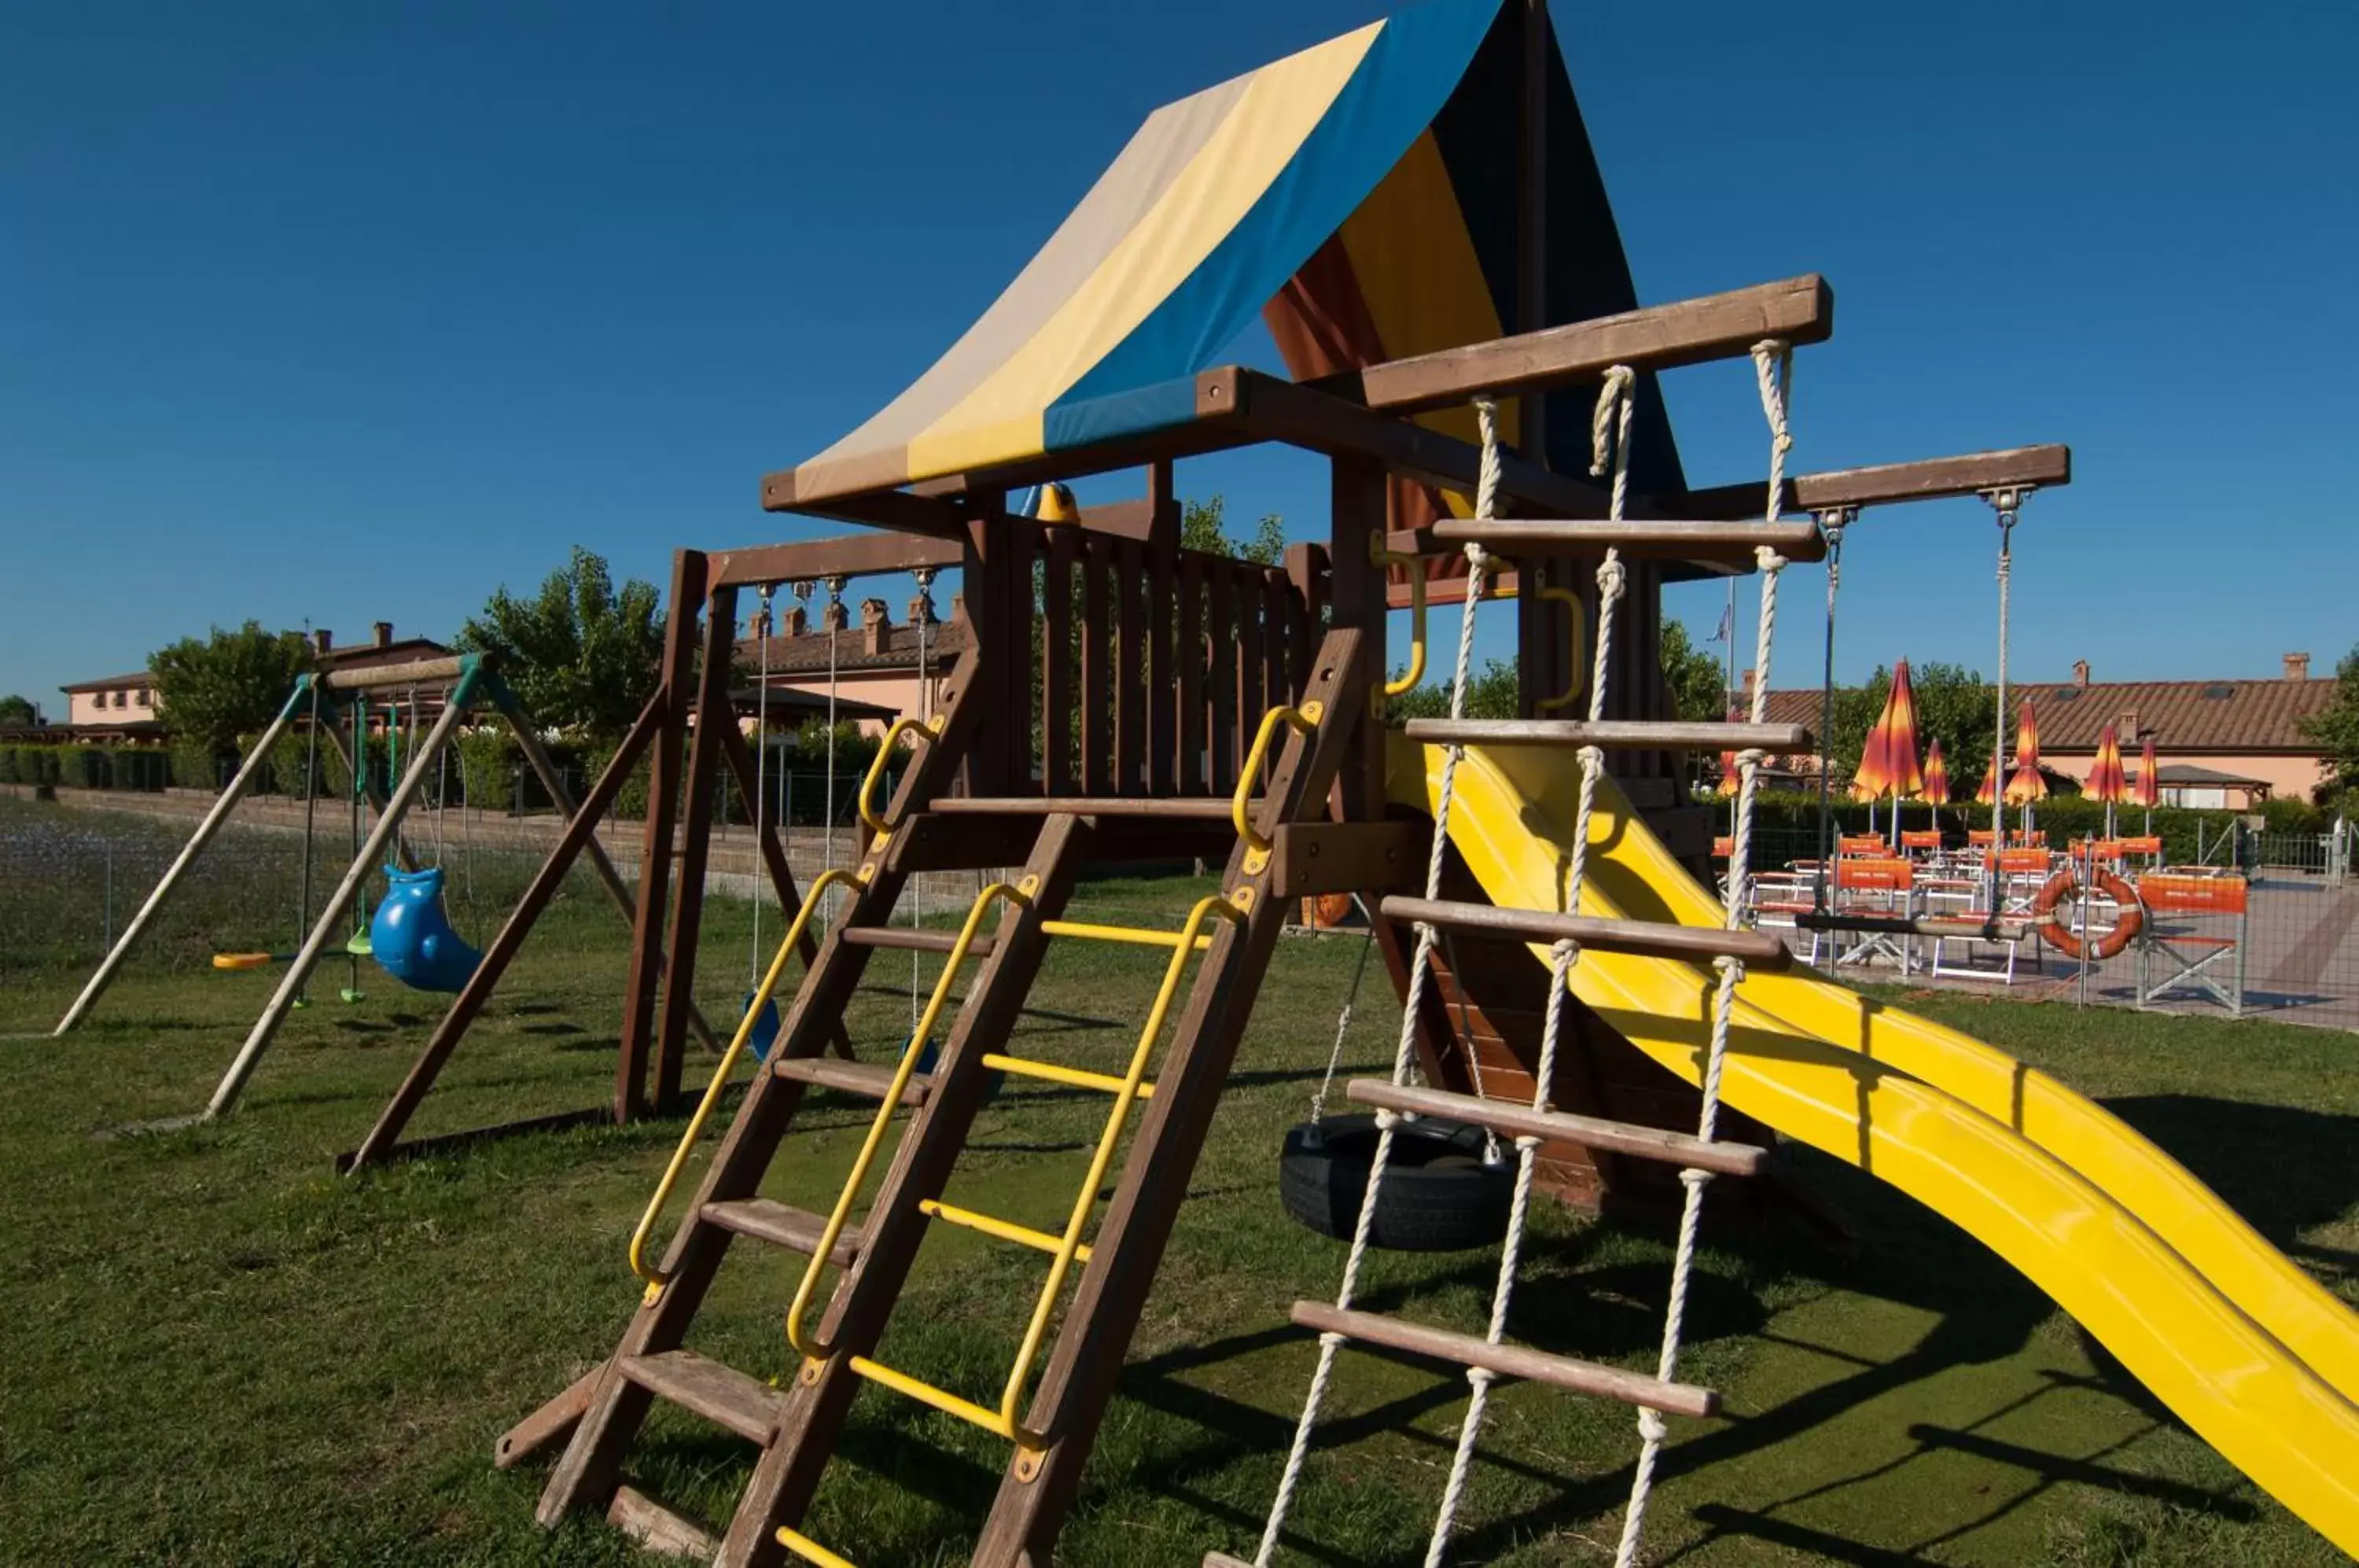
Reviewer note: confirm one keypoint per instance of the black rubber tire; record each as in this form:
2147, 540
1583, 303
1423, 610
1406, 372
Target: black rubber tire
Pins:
1437, 1195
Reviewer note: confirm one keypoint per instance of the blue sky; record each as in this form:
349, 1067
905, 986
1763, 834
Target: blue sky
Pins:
333, 315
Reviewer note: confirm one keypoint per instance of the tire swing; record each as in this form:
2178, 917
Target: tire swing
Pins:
2062, 889
1447, 1187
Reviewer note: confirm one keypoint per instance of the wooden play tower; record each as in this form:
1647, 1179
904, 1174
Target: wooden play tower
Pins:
1217, 707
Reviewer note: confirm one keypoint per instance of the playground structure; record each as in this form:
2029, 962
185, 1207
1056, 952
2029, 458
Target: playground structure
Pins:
410, 938
1191, 700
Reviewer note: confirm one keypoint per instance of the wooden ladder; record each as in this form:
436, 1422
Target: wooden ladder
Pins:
796, 1428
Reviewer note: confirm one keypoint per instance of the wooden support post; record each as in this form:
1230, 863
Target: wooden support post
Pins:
1058, 776
716, 715
223, 806
1082, 1371
655, 856
579, 831
1361, 501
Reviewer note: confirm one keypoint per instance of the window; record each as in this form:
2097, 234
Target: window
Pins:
121, 698
147, 697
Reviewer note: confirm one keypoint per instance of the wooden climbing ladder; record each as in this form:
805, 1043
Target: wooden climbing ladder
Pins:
1081, 1349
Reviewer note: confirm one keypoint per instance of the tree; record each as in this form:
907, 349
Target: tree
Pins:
1201, 528
1699, 684
583, 657
1489, 695
2336, 728
19, 713
210, 691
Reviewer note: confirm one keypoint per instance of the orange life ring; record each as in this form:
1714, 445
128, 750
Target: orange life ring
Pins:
1327, 911
2063, 886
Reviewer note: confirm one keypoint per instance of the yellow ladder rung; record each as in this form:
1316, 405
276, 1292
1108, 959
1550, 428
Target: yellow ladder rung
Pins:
1006, 1230
942, 1399
1080, 1078
810, 1551
1136, 936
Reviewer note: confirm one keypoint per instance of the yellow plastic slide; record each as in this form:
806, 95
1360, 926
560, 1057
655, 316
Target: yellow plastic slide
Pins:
2250, 1352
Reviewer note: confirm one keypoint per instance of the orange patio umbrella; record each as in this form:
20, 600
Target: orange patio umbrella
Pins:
1728, 758
1887, 763
1986, 792
2147, 790
2105, 781
1937, 777
2026, 785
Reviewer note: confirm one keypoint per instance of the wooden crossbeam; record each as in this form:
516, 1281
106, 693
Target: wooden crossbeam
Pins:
1654, 337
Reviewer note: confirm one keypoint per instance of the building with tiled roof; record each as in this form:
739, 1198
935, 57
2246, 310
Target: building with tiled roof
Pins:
122, 707
874, 662
2227, 743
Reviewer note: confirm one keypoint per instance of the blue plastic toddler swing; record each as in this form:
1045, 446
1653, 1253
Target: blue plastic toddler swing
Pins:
411, 935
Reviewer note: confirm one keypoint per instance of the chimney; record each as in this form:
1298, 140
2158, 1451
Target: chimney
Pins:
383, 630
2080, 672
834, 617
921, 609
2297, 667
757, 625
2128, 730
1745, 690
876, 622
958, 606
323, 639
797, 621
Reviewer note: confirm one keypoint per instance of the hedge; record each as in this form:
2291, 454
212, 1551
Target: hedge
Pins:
84, 767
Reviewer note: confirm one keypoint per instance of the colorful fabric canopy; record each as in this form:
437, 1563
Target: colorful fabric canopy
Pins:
1936, 791
1986, 792
2147, 790
1887, 763
2027, 783
1363, 191
2106, 780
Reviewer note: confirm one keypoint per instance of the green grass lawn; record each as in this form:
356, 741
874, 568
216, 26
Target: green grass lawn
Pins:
217, 1351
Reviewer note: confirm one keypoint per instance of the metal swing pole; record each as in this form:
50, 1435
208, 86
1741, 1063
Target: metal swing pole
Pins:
223, 806
331, 914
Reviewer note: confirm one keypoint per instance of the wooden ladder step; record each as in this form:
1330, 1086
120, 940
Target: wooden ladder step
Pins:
1595, 1132
722, 1395
797, 1230
914, 940
1627, 735
1510, 1360
1729, 544
1648, 939
870, 1078
657, 1529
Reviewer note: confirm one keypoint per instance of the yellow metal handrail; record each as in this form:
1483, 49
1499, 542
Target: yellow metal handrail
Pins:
1069, 1245
1572, 603
1057, 1072
1021, 893
655, 1277
926, 727
1385, 559
1302, 721
1134, 936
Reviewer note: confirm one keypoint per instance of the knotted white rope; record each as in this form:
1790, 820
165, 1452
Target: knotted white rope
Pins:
1773, 369
1609, 435
1420, 973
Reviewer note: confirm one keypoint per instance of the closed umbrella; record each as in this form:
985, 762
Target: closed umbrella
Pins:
2147, 791
1936, 792
2026, 784
1887, 763
2105, 781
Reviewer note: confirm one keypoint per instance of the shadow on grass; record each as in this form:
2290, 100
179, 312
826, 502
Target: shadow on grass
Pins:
2283, 1168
